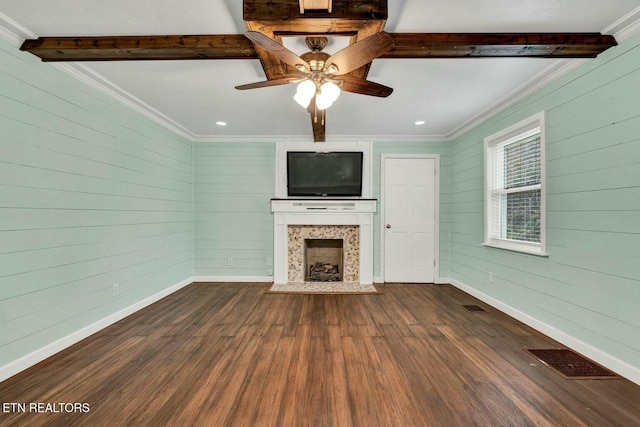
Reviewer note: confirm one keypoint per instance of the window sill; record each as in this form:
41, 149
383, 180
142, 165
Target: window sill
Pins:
517, 250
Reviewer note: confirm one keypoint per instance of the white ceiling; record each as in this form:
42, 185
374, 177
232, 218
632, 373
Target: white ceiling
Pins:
190, 96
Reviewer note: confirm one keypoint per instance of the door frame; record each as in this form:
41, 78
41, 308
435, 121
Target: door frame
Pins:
436, 196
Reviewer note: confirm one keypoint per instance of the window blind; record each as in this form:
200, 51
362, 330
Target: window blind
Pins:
516, 192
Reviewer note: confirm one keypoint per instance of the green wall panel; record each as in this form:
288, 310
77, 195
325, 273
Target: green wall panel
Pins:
91, 194
234, 183
589, 286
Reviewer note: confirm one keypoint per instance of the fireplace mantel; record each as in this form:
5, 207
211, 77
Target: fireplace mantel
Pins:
322, 212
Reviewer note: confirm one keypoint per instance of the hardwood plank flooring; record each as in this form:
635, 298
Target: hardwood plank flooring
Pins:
227, 354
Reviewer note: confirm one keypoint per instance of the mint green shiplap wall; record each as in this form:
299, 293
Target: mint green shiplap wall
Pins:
589, 286
91, 194
234, 183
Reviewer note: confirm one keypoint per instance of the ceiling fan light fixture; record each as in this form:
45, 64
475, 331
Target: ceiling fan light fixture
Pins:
302, 100
304, 93
331, 90
327, 95
331, 69
323, 101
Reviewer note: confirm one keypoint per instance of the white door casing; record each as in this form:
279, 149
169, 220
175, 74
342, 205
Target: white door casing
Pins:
409, 218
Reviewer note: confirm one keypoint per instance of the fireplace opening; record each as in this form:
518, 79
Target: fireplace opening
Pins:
323, 260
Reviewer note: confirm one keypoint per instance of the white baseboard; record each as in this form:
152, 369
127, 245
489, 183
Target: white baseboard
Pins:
437, 281
241, 279
49, 350
632, 373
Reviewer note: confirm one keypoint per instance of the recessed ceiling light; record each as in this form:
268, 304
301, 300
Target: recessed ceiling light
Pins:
419, 122
221, 123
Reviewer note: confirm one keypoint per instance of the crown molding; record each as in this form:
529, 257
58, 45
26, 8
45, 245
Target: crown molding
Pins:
625, 27
537, 82
332, 138
13, 32
100, 83
622, 29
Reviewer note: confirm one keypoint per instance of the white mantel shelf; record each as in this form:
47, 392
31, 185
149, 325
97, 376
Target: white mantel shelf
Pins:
322, 212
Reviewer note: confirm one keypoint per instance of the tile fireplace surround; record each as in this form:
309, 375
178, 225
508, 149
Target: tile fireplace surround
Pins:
317, 218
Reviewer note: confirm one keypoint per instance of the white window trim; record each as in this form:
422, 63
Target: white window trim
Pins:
504, 137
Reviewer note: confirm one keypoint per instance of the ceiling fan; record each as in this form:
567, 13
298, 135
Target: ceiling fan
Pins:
321, 76
268, 22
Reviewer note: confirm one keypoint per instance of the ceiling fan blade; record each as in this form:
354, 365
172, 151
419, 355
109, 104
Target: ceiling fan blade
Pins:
360, 53
277, 50
267, 83
364, 87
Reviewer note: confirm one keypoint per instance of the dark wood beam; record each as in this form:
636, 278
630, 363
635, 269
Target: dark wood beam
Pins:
285, 10
318, 127
318, 119
127, 48
236, 46
506, 45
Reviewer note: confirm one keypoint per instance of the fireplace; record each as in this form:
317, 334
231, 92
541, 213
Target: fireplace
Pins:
348, 221
323, 260
329, 243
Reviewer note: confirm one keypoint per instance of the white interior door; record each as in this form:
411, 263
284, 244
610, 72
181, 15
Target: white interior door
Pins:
409, 219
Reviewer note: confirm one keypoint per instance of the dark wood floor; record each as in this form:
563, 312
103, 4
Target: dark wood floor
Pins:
229, 354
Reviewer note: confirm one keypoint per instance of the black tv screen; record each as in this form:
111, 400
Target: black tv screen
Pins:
337, 174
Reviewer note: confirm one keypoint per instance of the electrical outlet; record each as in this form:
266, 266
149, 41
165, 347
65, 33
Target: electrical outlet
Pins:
269, 262
491, 277
229, 261
116, 289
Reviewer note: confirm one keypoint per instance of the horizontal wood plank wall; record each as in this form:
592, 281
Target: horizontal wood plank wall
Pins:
91, 194
439, 148
589, 286
234, 183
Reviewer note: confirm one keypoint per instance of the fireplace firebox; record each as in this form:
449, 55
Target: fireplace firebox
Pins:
323, 260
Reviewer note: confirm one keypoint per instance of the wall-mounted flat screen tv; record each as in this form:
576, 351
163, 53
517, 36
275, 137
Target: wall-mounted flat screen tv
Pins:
324, 174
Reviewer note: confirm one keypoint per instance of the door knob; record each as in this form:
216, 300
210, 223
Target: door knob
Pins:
388, 225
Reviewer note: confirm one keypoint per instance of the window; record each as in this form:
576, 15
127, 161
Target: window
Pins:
515, 187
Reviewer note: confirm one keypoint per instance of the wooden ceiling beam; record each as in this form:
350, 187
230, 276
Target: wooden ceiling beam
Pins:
318, 122
286, 10
236, 46
499, 45
127, 48
309, 5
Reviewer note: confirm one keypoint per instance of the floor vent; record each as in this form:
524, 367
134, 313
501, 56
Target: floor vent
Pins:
571, 365
472, 307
